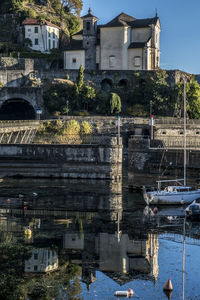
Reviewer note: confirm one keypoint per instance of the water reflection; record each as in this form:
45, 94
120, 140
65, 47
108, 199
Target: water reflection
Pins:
72, 230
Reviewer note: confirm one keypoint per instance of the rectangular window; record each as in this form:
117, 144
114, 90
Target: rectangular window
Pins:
35, 268
49, 32
74, 60
54, 44
112, 61
29, 30
36, 29
36, 41
49, 44
54, 34
137, 61
35, 256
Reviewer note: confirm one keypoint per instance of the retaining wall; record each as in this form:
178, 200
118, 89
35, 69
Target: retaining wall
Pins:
63, 161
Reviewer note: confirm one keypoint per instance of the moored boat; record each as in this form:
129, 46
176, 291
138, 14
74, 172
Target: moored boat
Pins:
174, 194
171, 195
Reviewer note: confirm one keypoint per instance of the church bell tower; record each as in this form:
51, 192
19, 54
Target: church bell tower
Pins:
90, 39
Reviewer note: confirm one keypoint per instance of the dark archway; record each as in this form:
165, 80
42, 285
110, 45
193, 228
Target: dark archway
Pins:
106, 84
17, 109
123, 83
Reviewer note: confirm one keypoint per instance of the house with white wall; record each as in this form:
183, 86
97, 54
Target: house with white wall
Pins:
124, 43
42, 261
43, 35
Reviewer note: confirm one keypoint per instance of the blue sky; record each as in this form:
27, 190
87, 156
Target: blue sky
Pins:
180, 21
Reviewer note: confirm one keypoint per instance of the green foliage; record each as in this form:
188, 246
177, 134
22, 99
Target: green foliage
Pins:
1, 85
31, 13
73, 23
12, 256
192, 96
56, 96
103, 103
80, 77
81, 113
115, 103
72, 127
74, 6
137, 110
86, 128
154, 87
67, 76
27, 42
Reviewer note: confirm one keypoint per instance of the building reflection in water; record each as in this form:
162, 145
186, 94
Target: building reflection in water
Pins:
87, 221
41, 261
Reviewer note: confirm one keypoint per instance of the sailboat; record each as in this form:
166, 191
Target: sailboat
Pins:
174, 194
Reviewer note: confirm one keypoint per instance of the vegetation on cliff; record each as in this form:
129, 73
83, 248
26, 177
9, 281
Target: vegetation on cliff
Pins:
63, 13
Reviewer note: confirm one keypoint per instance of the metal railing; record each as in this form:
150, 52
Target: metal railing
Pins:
18, 123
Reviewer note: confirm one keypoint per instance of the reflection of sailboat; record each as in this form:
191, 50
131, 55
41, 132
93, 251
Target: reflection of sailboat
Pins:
174, 194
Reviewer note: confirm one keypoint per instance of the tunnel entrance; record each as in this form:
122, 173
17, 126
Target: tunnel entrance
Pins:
17, 109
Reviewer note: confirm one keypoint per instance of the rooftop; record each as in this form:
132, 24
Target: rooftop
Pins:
31, 21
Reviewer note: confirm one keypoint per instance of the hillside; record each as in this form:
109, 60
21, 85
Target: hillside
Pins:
13, 12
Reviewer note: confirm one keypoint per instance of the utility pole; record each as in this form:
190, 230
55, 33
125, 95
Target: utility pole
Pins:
118, 130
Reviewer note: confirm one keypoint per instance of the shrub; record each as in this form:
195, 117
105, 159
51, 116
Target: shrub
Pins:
86, 128
137, 110
115, 103
82, 113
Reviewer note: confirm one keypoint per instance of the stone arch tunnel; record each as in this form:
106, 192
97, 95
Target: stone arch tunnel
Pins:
20, 104
17, 109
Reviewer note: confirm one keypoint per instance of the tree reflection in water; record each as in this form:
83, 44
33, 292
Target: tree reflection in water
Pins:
15, 285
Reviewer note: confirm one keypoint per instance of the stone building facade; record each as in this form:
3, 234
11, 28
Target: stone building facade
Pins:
124, 43
43, 35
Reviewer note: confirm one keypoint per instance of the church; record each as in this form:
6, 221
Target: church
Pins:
124, 43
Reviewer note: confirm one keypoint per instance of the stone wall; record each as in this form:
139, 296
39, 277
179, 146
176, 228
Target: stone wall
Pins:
148, 163
114, 77
63, 161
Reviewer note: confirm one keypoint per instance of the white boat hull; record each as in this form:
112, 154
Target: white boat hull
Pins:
167, 198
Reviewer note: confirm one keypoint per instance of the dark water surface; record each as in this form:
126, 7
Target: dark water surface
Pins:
68, 239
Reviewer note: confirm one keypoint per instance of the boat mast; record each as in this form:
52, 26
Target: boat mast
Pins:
185, 158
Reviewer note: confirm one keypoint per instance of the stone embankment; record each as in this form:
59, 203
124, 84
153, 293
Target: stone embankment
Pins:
92, 161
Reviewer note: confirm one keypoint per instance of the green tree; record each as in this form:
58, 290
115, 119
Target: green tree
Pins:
115, 103
153, 86
74, 6
103, 102
192, 96
80, 77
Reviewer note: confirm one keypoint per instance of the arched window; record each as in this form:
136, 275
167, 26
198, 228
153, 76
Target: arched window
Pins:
88, 26
106, 84
123, 83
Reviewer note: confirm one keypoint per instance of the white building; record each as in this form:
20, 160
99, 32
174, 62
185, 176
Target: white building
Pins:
42, 261
43, 35
124, 43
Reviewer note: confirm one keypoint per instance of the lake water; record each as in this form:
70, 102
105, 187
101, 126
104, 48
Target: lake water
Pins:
68, 239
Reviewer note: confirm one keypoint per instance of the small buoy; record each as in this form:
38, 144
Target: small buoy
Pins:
168, 285
128, 293
8, 200
25, 207
28, 233
168, 294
